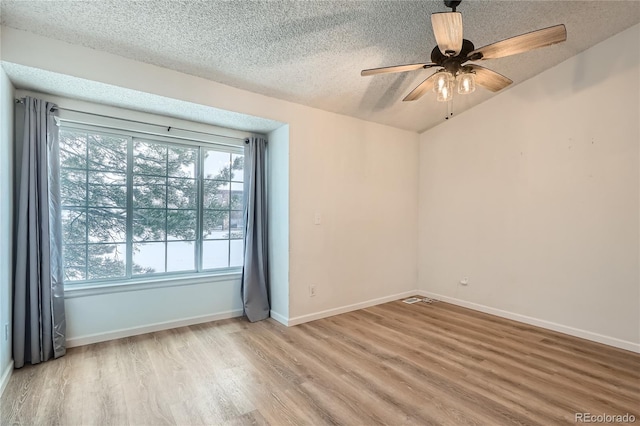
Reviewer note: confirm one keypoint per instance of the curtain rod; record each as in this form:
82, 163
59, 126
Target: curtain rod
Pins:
246, 140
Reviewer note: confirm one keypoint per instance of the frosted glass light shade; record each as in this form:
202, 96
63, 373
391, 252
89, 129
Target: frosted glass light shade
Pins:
466, 83
445, 94
443, 79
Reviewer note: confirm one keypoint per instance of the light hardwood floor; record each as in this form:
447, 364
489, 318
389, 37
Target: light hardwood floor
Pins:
390, 364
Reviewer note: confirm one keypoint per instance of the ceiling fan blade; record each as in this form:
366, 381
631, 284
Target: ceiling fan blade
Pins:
447, 27
522, 43
421, 89
488, 79
397, 68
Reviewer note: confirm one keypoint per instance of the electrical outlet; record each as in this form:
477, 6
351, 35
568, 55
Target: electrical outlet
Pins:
312, 290
6, 332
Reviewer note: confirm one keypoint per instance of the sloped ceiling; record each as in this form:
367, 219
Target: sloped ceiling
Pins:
312, 52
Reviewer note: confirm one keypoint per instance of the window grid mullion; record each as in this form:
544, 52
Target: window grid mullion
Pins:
86, 206
166, 208
229, 212
200, 208
129, 232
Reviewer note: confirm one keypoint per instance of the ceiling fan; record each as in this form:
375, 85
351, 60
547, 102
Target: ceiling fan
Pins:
453, 52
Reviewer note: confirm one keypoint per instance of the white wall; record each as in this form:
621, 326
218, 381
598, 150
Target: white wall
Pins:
6, 222
95, 317
360, 176
362, 179
278, 214
533, 195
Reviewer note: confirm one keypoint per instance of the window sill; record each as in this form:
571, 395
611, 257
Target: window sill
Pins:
95, 289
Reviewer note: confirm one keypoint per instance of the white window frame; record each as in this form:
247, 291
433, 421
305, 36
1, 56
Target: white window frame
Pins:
179, 137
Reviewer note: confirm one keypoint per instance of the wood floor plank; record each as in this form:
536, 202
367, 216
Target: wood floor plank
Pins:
320, 374
431, 378
464, 366
525, 358
310, 349
374, 359
542, 360
394, 364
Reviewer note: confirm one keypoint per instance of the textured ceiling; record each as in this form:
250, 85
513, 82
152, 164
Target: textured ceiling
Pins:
311, 52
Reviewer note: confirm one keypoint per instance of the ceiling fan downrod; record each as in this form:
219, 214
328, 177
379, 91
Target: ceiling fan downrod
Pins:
452, 4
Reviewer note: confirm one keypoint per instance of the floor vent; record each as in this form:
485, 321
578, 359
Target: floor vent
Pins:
417, 299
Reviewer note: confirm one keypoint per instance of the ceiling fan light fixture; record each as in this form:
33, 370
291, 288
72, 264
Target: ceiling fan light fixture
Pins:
466, 83
444, 79
445, 94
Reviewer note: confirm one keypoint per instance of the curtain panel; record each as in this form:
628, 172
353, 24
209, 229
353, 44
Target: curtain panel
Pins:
39, 325
255, 274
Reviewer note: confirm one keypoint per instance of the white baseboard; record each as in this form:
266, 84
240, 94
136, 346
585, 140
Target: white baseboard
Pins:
134, 331
6, 376
150, 328
279, 317
348, 308
576, 332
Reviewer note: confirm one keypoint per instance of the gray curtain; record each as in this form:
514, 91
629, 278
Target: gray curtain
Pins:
38, 294
255, 274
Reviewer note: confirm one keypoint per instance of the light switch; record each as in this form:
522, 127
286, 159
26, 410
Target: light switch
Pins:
317, 219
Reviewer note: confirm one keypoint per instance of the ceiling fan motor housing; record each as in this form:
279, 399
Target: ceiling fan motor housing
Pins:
452, 4
452, 63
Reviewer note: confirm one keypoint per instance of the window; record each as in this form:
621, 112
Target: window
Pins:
143, 206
